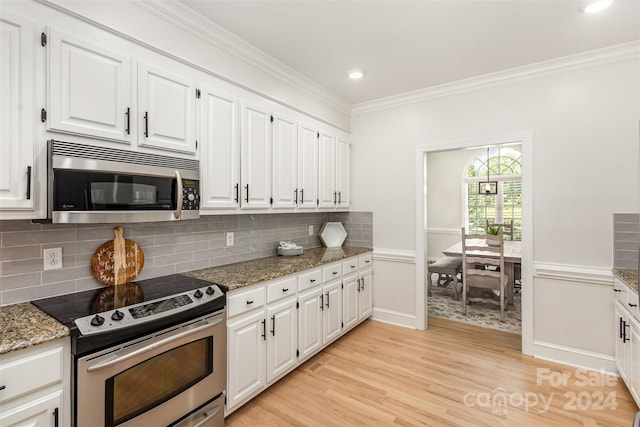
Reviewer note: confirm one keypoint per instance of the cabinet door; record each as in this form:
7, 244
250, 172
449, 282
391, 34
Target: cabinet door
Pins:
343, 158
90, 91
620, 347
327, 174
365, 297
350, 295
285, 163
167, 110
282, 341
17, 119
634, 358
255, 157
246, 368
43, 412
307, 167
332, 315
220, 151
310, 323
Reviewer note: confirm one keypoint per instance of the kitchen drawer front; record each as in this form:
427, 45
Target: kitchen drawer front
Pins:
331, 272
350, 266
241, 301
281, 288
309, 279
365, 260
33, 371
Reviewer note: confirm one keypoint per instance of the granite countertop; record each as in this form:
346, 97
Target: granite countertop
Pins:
628, 276
24, 325
247, 273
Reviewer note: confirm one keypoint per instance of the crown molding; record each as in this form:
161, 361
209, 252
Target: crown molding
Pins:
177, 13
615, 53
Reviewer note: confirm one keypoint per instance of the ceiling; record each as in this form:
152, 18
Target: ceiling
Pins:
409, 45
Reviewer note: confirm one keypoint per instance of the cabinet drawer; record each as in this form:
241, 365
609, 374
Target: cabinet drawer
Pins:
33, 371
241, 301
331, 272
350, 266
365, 260
309, 279
281, 288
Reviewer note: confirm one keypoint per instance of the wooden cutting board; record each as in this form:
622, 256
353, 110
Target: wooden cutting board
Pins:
118, 261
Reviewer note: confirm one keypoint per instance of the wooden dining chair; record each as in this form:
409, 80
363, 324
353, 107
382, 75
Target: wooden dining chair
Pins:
474, 273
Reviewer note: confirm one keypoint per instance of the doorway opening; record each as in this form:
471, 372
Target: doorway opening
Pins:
450, 174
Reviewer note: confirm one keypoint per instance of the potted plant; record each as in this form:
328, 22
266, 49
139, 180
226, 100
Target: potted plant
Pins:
495, 231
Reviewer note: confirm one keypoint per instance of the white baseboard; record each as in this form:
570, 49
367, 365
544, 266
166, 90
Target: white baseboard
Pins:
394, 318
574, 357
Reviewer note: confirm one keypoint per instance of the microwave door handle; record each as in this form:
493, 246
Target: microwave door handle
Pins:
120, 358
179, 190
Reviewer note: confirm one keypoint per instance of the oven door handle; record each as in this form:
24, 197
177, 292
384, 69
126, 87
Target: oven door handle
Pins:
179, 196
207, 416
120, 358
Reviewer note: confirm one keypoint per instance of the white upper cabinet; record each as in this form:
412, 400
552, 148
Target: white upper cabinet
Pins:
343, 158
327, 173
166, 110
16, 113
307, 167
220, 150
255, 158
89, 88
285, 163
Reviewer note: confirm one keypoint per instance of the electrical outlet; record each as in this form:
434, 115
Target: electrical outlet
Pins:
52, 258
311, 230
229, 238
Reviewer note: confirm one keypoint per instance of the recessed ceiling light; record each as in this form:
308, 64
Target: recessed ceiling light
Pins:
356, 74
597, 6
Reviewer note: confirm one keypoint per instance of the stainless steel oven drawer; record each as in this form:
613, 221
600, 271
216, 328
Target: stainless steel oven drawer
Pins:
209, 415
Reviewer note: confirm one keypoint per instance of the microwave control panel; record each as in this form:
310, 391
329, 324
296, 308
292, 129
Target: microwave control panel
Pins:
190, 195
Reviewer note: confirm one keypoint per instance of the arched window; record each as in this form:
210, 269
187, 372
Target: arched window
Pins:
504, 166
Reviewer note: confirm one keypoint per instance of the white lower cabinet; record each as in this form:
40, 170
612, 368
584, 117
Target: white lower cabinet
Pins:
246, 353
41, 412
309, 323
627, 344
34, 386
275, 326
281, 338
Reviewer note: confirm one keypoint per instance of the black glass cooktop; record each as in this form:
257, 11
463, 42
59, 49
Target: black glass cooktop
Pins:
67, 308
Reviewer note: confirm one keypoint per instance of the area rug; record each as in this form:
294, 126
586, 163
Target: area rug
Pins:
442, 304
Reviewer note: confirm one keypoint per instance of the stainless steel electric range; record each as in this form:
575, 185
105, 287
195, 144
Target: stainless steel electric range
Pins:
148, 353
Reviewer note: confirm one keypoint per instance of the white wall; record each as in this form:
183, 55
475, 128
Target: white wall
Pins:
445, 171
585, 167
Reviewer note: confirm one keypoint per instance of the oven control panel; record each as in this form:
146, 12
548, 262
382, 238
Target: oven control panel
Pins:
146, 311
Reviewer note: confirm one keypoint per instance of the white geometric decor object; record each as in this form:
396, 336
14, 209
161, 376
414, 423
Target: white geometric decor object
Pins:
332, 234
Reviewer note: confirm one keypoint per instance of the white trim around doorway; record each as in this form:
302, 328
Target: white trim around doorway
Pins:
526, 139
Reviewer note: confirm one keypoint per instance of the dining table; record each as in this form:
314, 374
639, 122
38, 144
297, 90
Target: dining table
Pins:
512, 256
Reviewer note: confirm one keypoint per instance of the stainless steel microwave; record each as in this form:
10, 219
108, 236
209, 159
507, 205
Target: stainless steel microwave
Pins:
89, 184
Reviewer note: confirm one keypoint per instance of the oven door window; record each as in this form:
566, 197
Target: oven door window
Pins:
154, 381
94, 191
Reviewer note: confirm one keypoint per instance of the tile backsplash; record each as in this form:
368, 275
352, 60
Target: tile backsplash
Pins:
626, 240
169, 247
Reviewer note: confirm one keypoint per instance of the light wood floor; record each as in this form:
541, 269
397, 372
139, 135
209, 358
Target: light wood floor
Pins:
451, 375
